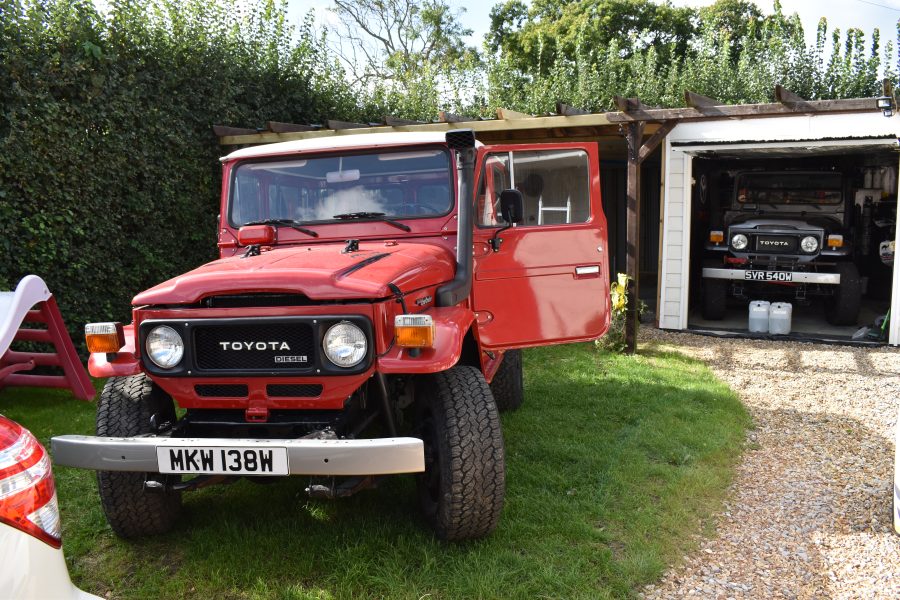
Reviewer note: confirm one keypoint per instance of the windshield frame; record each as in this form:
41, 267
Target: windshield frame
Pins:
399, 149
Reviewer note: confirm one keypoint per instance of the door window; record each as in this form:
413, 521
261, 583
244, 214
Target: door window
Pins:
555, 185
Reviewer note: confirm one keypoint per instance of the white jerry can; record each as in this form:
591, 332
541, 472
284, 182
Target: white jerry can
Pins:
759, 317
780, 318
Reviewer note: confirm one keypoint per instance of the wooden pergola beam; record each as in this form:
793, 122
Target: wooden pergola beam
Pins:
345, 125
568, 111
695, 100
627, 105
654, 140
225, 130
785, 96
449, 117
634, 135
279, 127
505, 113
394, 121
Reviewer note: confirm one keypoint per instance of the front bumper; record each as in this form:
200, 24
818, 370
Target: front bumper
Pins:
380, 456
796, 276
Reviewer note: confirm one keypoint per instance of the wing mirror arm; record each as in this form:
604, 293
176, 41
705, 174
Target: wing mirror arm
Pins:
512, 210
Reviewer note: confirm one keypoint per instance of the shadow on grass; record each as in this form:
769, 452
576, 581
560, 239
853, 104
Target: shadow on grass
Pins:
613, 464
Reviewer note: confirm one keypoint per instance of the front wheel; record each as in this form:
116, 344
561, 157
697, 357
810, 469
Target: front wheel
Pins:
842, 308
462, 490
124, 410
715, 299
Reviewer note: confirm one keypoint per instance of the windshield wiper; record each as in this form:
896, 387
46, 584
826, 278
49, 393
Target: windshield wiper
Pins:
372, 216
285, 223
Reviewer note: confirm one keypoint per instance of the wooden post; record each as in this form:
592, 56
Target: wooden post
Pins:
634, 134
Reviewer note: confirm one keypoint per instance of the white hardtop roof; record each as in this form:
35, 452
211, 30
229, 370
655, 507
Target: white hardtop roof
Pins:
332, 142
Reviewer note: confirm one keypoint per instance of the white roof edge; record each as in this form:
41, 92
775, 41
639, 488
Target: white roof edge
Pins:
364, 140
784, 128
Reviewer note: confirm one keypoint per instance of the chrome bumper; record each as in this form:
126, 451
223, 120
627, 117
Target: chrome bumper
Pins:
380, 456
796, 276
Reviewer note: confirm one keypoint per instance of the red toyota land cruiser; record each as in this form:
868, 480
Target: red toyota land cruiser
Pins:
364, 319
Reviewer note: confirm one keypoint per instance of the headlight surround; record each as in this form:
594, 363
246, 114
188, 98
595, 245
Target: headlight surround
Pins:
809, 244
739, 241
165, 348
345, 344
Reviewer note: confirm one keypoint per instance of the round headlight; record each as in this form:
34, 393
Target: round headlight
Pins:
345, 344
165, 347
809, 244
739, 241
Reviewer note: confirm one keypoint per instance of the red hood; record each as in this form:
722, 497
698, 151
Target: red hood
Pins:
319, 272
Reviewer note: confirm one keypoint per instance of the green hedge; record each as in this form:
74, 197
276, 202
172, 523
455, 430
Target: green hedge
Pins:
109, 177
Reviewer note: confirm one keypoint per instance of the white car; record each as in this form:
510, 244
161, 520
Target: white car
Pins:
31, 558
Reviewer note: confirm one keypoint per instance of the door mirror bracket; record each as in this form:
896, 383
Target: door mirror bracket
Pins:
512, 211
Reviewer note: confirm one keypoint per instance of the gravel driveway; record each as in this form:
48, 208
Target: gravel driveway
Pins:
810, 508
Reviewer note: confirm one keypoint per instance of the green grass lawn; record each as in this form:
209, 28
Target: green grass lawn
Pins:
613, 464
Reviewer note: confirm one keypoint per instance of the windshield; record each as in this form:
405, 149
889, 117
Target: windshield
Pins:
400, 184
789, 188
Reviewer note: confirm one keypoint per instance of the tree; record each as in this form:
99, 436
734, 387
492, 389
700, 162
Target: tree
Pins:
389, 40
735, 18
535, 39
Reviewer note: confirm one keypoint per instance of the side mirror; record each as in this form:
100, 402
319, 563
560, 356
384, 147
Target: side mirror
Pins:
512, 206
249, 235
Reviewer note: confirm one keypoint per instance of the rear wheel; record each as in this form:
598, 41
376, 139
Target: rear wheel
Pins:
507, 386
124, 410
462, 490
842, 308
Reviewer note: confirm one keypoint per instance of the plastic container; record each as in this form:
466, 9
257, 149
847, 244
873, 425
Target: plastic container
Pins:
759, 316
780, 318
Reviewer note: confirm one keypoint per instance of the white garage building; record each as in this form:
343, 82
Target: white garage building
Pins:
828, 135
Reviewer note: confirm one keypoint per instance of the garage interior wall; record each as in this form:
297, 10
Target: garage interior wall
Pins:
774, 132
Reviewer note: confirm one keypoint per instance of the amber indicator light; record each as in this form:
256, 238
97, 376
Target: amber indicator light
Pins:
104, 337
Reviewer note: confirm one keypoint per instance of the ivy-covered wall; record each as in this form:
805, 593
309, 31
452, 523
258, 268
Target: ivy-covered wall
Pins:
109, 172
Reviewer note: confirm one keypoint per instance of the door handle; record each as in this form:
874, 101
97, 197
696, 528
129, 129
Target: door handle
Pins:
590, 270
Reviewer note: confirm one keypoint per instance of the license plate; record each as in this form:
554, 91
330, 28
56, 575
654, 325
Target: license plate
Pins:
768, 276
234, 460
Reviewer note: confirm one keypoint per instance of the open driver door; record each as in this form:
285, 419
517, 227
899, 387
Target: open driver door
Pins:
544, 279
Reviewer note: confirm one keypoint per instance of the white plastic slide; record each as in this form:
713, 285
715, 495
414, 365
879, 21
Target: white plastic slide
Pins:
14, 306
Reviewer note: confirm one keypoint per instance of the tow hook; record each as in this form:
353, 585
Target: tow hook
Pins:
347, 488
201, 481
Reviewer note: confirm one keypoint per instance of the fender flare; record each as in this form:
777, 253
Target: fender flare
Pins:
451, 324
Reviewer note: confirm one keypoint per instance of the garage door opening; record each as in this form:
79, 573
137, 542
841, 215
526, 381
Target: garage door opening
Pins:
807, 224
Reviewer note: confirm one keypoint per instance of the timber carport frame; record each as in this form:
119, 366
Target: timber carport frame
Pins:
633, 121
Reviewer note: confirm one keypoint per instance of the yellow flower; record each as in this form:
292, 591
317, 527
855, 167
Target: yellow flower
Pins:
617, 293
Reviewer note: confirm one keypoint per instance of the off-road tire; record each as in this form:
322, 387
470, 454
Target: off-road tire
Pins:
507, 386
715, 298
124, 409
842, 308
462, 490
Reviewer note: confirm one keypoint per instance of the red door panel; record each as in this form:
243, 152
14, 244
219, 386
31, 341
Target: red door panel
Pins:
549, 281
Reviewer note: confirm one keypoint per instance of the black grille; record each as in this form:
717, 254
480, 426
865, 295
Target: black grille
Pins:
776, 244
224, 390
295, 390
256, 346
